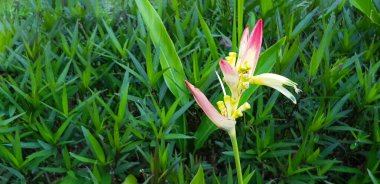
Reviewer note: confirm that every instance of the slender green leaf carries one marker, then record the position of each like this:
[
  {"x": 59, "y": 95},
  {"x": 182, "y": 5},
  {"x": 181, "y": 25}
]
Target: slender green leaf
[
  {"x": 317, "y": 56},
  {"x": 94, "y": 145},
  {"x": 83, "y": 159},
  {"x": 209, "y": 38},
  {"x": 199, "y": 177},
  {"x": 368, "y": 8},
  {"x": 7, "y": 121},
  {"x": 175, "y": 76}
]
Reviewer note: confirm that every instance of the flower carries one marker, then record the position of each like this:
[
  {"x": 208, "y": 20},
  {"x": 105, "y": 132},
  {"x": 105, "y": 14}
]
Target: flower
[{"x": 238, "y": 73}]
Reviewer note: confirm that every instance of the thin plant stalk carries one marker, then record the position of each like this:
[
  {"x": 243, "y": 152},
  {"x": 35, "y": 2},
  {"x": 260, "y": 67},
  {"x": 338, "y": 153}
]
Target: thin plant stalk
[{"x": 232, "y": 134}]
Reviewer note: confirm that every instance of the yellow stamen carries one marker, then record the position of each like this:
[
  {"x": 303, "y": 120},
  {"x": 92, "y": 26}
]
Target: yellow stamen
[
  {"x": 244, "y": 85},
  {"x": 227, "y": 102},
  {"x": 237, "y": 114},
  {"x": 244, "y": 68},
  {"x": 227, "y": 99},
  {"x": 241, "y": 69},
  {"x": 229, "y": 59},
  {"x": 246, "y": 65},
  {"x": 222, "y": 107},
  {"x": 233, "y": 101},
  {"x": 244, "y": 77}
]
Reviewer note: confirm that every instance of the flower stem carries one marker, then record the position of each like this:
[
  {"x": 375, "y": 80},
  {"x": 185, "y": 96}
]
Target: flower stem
[{"x": 232, "y": 134}]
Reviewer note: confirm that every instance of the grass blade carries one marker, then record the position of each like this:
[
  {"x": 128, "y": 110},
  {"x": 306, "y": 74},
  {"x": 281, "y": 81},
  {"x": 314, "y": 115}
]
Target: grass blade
[
  {"x": 199, "y": 177},
  {"x": 368, "y": 8},
  {"x": 210, "y": 40},
  {"x": 317, "y": 56},
  {"x": 96, "y": 148},
  {"x": 169, "y": 58}
]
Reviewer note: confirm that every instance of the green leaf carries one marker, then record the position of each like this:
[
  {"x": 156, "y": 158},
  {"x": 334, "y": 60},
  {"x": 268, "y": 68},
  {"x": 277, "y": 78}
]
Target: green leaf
[
  {"x": 205, "y": 129},
  {"x": 8, "y": 156},
  {"x": 66, "y": 158},
  {"x": 304, "y": 23},
  {"x": 123, "y": 97},
  {"x": 54, "y": 169},
  {"x": 169, "y": 58},
  {"x": 248, "y": 177},
  {"x": 266, "y": 6},
  {"x": 43, "y": 153},
  {"x": 61, "y": 129},
  {"x": 83, "y": 159},
  {"x": 14, "y": 172},
  {"x": 368, "y": 8},
  {"x": 17, "y": 148},
  {"x": 7, "y": 121},
  {"x": 94, "y": 145},
  {"x": 344, "y": 169},
  {"x": 130, "y": 179},
  {"x": 313, "y": 157},
  {"x": 115, "y": 42},
  {"x": 209, "y": 38},
  {"x": 149, "y": 62},
  {"x": 373, "y": 178},
  {"x": 317, "y": 56},
  {"x": 199, "y": 177},
  {"x": 177, "y": 136},
  {"x": 65, "y": 104},
  {"x": 335, "y": 111},
  {"x": 240, "y": 17}
]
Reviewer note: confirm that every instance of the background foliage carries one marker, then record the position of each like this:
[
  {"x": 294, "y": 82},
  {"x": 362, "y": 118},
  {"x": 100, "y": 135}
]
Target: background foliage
[{"x": 92, "y": 91}]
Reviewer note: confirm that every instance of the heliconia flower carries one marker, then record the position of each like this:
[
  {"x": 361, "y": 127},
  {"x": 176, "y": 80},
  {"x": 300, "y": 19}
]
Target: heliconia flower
[
  {"x": 218, "y": 119},
  {"x": 238, "y": 74}
]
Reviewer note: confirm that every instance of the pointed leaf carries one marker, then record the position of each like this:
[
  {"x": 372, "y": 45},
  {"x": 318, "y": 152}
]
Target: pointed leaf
[{"x": 175, "y": 76}]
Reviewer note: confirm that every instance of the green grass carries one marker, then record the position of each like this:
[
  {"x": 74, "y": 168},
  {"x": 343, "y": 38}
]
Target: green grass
[{"x": 92, "y": 91}]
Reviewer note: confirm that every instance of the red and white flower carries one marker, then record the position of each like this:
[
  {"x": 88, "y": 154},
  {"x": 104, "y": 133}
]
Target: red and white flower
[{"x": 238, "y": 75}]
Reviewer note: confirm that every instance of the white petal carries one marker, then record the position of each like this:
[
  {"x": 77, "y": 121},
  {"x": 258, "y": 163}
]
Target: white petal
[
  {"x": 277, "y": 82},
  {"x": 285, "y": 92}
]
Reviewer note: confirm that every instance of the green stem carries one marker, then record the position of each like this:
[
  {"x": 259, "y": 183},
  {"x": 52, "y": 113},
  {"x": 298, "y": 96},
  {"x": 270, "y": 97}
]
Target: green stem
[{"x": 235, "y": 147}]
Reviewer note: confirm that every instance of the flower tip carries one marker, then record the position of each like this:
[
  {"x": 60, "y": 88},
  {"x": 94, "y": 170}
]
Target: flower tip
[
  {"x": 246, "y": 30},
  {"x": 260, "y": 22},
  {"x": 189, "y": 85},
  {"x": 259, "y": 26},
  {"x": 222, "y": 62},
  {"x": 297, "y": 90}
]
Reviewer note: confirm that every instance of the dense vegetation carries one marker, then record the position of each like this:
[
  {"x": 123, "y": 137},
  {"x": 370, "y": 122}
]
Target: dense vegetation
[{"x": 92, "y": 91}]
